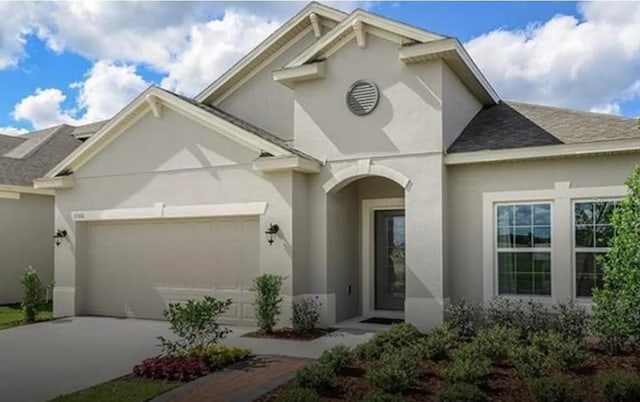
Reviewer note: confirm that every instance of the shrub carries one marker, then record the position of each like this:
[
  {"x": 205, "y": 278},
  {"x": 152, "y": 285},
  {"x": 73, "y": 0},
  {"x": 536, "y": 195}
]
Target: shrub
[
  {"x": 268, "y": 300},
  {"x": 468, "y": 366},
  {"x": 564, "y": 354},
  {"x": 496, "y": 342},
  {"x": 382, "y": 397},
  {"x": 218, "y": 355},
  {"x": 616, "y": 316},
  {"x": 462, "y": 393},
  {"x": 33, "y": 294},
  {"x": 572, "y": 321},
  {"x": 537, "y": 317},
  {"x": 315, "y": 376},
  {"x": 618, "y": 386},
  {"x": 466, "y": 317},
  {"x": 505, "y": 312},
  {"x": 553, "y": 389},
  {"x": 337, "y": 358},
  {"x": 438, "y": 343},
  {"x": 298, "y": 395},
  {"x": 172, "y": 368},
  {"x": 529, "y": 362},
  {"x": 395, "y": 372},
  {"x": 195, "y": 323},
  {"x": 398, "y": 336},
  {"x": 306, "y": 315}
]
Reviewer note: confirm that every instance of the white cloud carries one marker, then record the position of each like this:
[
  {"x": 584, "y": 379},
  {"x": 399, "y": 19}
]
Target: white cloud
[
  {"x": 9, "y": 130},
  {"x": 609, "y": 108},
  {"x": 43, "y": 109},
  {"x": 584, "y": 64}
]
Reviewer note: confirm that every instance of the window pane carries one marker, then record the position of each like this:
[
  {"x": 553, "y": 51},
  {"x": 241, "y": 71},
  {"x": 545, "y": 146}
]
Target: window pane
[
  {"x": 587, "y": 275},
  {"x": 584, "y": 213},
  {"x": 584, "y": 236},
  {"x": 604, "y": 233},
  {"x": 523, "y": 237},
  {"x": 524, "y": 284},
  {"x": 506, "y": 273},
  {"x": 542, "y": 263},
  {"x": 604, "y": 210},
  {"x": 542, "y": 236},
  {"x": 505, "y": 215},
  {"x": 542, "y": 214},
  {"x": 505, "y": 237},
  {"x": 523, "y": 215},
  {"x": 524, "y": 263},
  {"x": 542, "y": 284}
]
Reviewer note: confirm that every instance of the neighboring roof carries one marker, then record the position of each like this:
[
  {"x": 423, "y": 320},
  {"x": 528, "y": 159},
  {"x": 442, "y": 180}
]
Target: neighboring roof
[
  {"x": 517, "y": 125},
  {"x": 86, "y": 131},
  {"x": 8, "y": 142},
  {"x": 35, "y": 154},
  {"x": 267, "y": 48}
]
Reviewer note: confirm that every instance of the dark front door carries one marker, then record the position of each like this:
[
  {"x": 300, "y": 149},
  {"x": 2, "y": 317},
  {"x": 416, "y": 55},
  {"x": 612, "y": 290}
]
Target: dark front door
[{"x": 389, "y": 260}]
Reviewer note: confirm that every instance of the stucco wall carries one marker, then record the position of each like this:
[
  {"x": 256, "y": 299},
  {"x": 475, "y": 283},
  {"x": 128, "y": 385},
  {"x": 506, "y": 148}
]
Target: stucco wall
[
  {"x": 176, "y": 162},
  {"x": 264, "y": 102},
  {"x": 467, "y": 183},
  {"x": 26, "y": 230},
  {"x": 459, "y": 106}
]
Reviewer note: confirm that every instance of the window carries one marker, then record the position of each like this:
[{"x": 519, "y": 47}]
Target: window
[
  {"x": 523, "y": 248},
  {"x": 592, "y": 232}
]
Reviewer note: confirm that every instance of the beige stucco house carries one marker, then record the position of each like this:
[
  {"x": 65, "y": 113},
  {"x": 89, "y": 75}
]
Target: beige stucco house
[{"x": 397, "y": 178}]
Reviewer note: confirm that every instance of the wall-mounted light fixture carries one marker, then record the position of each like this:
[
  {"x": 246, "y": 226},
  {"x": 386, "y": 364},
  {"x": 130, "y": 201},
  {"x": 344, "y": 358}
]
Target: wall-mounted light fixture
[
  {"x": 60, "y": 234},
  {"x": 271, "y": 232}
]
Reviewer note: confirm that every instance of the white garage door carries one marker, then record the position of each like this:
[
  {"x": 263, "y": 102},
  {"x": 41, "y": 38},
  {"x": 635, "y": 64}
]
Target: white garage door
[{"x": 135, "y": 268}]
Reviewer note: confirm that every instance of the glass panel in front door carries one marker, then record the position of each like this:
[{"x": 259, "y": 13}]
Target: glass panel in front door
[{"x": 389, "y": 260}]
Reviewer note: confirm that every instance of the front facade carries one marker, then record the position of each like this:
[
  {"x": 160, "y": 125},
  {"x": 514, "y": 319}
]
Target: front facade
[{"x": 420, "y": 187}]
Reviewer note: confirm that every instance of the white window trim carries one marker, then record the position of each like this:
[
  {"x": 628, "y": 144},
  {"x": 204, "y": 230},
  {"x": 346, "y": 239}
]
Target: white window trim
[
  {"x": 574, "y": 249},
  {"x": 560, "y": 196},
  {"x": 497, "y": 249}
]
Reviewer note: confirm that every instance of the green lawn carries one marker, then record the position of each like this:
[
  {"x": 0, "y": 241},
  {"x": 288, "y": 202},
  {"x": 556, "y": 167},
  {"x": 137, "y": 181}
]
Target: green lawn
[
  {"x": 121, "y": 390},
  {"x": 11, "y": 315}
]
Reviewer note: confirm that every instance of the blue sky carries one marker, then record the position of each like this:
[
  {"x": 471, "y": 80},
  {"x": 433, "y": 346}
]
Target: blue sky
[{"x": 74, "y": 63}]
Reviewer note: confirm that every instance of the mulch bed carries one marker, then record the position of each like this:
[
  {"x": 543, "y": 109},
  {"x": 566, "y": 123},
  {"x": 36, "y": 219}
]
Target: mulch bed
[
  {"x": 502, "y": 384},
  {"x": 290, "y": 334}
]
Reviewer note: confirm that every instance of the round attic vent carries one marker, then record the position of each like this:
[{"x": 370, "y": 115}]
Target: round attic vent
[{"x": 362, "y": 97}]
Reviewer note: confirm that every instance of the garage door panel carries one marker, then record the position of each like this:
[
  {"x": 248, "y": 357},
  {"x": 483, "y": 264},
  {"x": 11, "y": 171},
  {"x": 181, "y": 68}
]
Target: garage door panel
[{"x": 137, "y": 268}]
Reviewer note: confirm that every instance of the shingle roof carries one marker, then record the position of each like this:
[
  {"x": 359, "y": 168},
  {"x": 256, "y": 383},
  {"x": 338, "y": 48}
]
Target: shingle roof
[
  {"x": 30, "y": 156},
  {"x": 518, "y": 125}
]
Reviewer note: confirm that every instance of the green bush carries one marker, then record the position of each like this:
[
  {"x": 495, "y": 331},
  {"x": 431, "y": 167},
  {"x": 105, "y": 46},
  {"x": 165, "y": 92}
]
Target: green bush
[
  {"x": 572, "y": 321},
  {"x": 377, "y": 396},
  {"x": 616, "y": 317},
  {"x": 618, "y": 386},
  {"x": 305, "y": 315},
  {"x": 268, "y": 300},
  {"x": 468, "y": 366},
  {"x": 496, "y": 342},
  {"x": 315, "y": 376},
  {"x": 466, "y": 317},
  {"x": 553, "y": 389},
  {"x": 33, "y": 294},
  {"x": 528, "y": 361},
  {"x": 218, "y": 355},
  {"x": 561, "y": 353},
  {"x": 505, "y": 313},
  {"x": 438, "y": 343},
  {"x": 395, "y": 372},
  {"x": 398, "y": 336},
  {"x": 195, "y": 323},
  {"x": 337, "y": 358},
  {"x": 462, "y": 393},
  {"x": 298, "y": 395}
]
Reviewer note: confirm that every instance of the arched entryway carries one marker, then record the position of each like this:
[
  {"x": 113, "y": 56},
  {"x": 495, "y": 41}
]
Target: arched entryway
[{"x": 366, "y": 245}]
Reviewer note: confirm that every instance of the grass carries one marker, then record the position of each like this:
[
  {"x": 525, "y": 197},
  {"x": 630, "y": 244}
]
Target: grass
[
  {"x": 11, "y": 315},
  {"x": 121, "y": 390}
]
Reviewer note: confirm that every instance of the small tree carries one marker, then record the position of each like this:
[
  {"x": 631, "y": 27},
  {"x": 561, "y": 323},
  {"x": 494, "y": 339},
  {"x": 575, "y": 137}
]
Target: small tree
[
  {"x": 33, "y": 294},
  {"x": 616, "y": 316},
  {"x": 268, "y": 300}
]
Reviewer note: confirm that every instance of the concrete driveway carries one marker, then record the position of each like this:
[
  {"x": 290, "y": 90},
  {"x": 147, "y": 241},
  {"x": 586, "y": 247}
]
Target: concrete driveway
[{"x": 41, "y": 361}]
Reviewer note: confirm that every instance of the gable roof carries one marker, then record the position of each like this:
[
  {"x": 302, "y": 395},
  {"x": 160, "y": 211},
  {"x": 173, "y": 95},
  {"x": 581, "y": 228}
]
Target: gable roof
[
  {"x": 274, "y": 43},
  {"x": 153, "y": 99},
  {"x": 517, "y": 125}
]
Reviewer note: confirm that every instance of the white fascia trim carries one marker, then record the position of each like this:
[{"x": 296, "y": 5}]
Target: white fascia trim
[
  {"x": 289, "y": 76},
  {"x": 267, "y": 44},
  {"x": 9, "y": 188},
  {"x": 295, "y": 163},
  {"x": 365, "y": 18},
  {"x": 544, "y": 152},
  {"x": 434, "y": 49},
  {"x": 160, "y": 211},
  {"x": 8, "y": 195},
  {"x": 54, "y": 182}
]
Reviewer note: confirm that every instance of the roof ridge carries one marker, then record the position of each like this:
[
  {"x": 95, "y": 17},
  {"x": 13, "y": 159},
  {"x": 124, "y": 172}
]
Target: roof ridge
[
  {"x": 568, "y": 110},
  {"x": 31, "y": 145}
]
